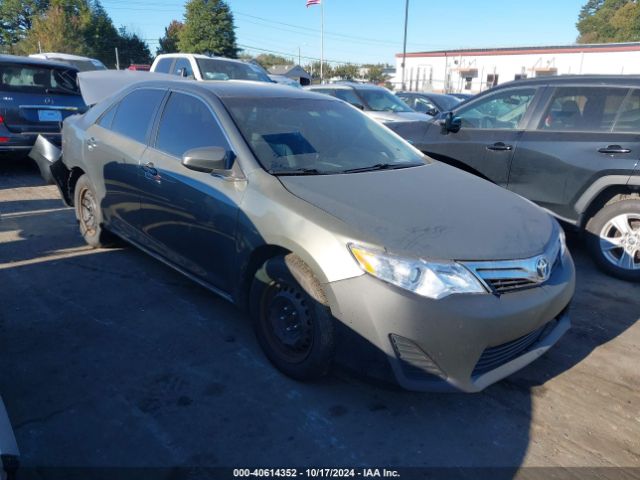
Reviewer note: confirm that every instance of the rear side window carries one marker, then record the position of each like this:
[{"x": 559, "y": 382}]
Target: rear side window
[
  {"x": 37, "y": 79},
  {"x": 164, "y": 65},
  {"x": 583, "y": 109},
  {"x": 629, "y": 117},
  {"x": 135, "y": 113},
  {"x": 502, "y": 111},
  {"x": 188, "y": 123}
]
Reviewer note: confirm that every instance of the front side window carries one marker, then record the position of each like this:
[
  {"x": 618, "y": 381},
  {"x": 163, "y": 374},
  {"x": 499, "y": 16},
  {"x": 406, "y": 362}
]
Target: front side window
[
  {"x": 37, "y": 79},
  {"x": 629, "y": 117},
  {"x": 423, "y": 105},
  {"x": 188, "y": 123},
  {"x": 135, "y": 114},
  {"x": 316, "y": 136},
  {"x": 586, "y": 109},
  {"x": 502, "y": 111}
]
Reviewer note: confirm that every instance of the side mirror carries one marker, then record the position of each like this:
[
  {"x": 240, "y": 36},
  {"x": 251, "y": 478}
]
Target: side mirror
[
  {"x": 450, "y": 123},
  {"x": 432, "y": 112},
  {"x": 208, "y": 160}
]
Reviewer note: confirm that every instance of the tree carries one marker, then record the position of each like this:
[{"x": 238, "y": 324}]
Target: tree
[
  {"x": 16, "y": 19},
  {"x": 169, "y": 43},
  {"x": 208, "y": 28},
  {"x": 59, "y": 29},
  {"x": 375, "y": 74},
  {"x": 132, "y": 49},
  {"x": 605, "y": 21},
  {"x": 347, "y": 71},
  {"x": 268, "y": 60},
  {"x": 314, "y": 70},
  {"x": 101, "y": 36}
]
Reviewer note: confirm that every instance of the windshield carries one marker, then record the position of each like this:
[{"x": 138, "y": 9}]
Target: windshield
[
  {"x": 316, "y": 136},
  {"x": 383, "y": 101},
  {"x": 37, "y": 79},
  {"x": 215, "y": 69}
]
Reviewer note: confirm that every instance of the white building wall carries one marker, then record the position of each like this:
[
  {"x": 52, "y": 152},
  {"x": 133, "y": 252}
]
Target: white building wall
[{"x": 442, "y": 72}]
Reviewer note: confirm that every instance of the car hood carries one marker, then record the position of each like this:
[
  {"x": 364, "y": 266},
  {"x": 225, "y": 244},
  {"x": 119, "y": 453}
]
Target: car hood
[
  {"x": 433, "y": 211},
  {"x": 397, "y": 116}
]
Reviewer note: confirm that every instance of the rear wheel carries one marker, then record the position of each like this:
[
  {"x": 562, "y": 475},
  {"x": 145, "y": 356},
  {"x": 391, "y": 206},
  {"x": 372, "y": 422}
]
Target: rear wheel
[
  {"x": 292, "y": 322},
  {"x": 89, "y": 214},
  {"x": 614, "y": 239}
]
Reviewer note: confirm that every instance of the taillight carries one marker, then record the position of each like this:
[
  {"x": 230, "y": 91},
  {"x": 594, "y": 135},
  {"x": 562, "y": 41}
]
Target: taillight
[{"x": 1, "y": 119}]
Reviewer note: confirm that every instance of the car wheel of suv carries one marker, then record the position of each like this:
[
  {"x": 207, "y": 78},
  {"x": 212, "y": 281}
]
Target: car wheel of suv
[
  {"x": 89, "y": 214},
  {"x": 614, "y": 239},
  {"x": 292, "y": 322}
]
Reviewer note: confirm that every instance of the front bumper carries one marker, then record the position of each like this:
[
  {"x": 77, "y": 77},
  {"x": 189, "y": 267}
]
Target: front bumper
[{"x": 461, "y": 342}]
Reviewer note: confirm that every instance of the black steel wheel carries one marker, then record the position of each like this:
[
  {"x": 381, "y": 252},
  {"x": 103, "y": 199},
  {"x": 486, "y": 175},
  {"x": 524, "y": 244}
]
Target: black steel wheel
[{"x": 89, "y": 214}]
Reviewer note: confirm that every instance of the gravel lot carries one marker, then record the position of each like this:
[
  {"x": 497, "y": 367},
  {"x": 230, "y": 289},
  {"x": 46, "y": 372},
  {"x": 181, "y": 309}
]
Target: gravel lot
[{"x": 110, "y": 358}]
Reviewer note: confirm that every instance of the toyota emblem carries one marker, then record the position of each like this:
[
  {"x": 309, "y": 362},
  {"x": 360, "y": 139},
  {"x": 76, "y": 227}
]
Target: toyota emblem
[{"x": 543, "y": 268}]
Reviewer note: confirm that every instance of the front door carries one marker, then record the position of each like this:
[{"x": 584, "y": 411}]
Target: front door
[
  {"x": 189, "y": 217},
  {"x": 491, "y": 127}
]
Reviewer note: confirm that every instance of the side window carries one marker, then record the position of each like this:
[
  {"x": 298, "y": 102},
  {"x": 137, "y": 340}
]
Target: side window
[
  {"x": 164, "y": 65},
  {"x": 107, "y": 118},
  {"x": 183, "y": 65},
  {"x": 586, "y": 109},
  {"x": 348, "y": 96},
  {"x": 629, "y": 117},
  {"x": 423, "y": 105},
  {"x": 503, "y": 110},
  {"x": 188, "y": 123},
  {"x": 134, "y": 114}
]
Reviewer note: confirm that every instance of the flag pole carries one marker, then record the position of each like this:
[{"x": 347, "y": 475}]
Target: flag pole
[{"x": 322, "y": 41}]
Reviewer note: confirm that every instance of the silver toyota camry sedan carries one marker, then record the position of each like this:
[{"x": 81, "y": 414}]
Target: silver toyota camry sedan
[{"x": 343, "y": 241}]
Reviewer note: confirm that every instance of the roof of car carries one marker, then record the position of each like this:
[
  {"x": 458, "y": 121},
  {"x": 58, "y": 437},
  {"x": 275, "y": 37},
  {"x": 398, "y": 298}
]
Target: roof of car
[
  {"x": 572, "y": 79},
  {"x": 33, "y": 61}
]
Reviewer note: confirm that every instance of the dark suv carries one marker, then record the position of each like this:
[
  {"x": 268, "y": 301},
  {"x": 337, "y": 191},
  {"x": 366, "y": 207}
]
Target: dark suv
[
  {"x": 571, "y": 144},
  {"x": 35, "y": 96}
]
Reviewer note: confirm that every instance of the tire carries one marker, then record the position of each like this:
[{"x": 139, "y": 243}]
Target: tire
[
  {"x": 89, "y": 214},
  {"x": 613, "y": 237},
  {"x": 292, "y": 323}
]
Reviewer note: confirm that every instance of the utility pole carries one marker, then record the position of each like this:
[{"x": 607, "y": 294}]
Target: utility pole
[
  {"x": 117, "y": 60},
  {"x": 322, "y": 42},
  {"x": 404, "y": 48},
  {"x": 299, "y": 56}
]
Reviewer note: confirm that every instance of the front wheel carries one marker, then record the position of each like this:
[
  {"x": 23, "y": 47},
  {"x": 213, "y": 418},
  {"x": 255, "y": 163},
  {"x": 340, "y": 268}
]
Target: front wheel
[
  {"x": 614, "y": 239},
  {"x": 89, "y": 214},
  {"x": 292, "y": 322}
]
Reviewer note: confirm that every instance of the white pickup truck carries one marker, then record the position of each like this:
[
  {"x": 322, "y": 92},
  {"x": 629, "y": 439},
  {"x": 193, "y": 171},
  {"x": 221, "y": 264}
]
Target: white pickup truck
[{"x": 202, "y": 67}]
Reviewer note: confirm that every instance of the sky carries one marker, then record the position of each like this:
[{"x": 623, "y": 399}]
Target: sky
[{"x": 369, "y": 31}]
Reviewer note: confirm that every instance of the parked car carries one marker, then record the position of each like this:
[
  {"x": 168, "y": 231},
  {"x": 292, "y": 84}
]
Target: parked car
[
  {"x": 376, "y": 102},
  {"x": 285, "y": 81},
  {"x": 35, "y": 96},
  {"x": 203, "y": 67},
  {"x": 571, "y": 144},
  {"x": 430, "y": 103},
  {"x": 139, "y": 67},
  {"x": 462, "y": 96},
  {"x": 83, "y": 64},
  {"x": 338, "y": 236}
]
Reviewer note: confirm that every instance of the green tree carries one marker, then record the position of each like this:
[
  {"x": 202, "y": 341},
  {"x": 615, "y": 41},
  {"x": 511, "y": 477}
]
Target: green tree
[
  {"x": 375, "y": 73},
  {"x": 268, "y": 60},
  {"x": 169, "y": 43},
  {"x": 346, "y": 71},
  {"x": 132, "y": 49},
  {"x": 101, "y": 36},
  {"x": 605, "y": 21},
  {"x": 314, "y": 70},
  {"x": 208, "y": 28},
  {"x": 16, "y": 19}
]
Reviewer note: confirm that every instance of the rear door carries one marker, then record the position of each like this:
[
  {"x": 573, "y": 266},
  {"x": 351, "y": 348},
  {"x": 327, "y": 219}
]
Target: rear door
[
  {"x": 189, "y": 217},
  {"x": 114, "y": 145},
  {"x": 579, "y": 134},
  {"x": 36, "y": 98},
  {"x": 491, "y": 127}
]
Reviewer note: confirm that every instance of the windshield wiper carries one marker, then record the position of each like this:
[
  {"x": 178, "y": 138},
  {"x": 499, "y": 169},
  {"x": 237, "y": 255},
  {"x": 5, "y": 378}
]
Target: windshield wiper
[
  {"x": 297, "y": 171},
  {"x": 381, "y": 166}
]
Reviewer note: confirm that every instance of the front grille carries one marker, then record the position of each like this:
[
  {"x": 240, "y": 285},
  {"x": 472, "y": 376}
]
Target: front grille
[
  {"x": 494, "y": 357},
  {"x": 504, "y": 276},
  {"x": 415, "y": 362}
]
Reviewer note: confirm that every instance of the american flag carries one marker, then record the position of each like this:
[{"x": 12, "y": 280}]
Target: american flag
[{"x": 313, "y": 2}]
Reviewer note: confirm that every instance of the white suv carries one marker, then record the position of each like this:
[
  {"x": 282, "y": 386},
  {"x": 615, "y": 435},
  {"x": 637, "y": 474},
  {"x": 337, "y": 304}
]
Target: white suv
[{"x": 202, "y": 67}]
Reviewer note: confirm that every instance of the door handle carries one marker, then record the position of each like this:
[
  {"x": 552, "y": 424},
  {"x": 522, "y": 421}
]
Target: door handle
[
  {"x": 611, "y": 149},
  {"x": 92, "y": 143},
  {"x": 150, "y": 169},
  {"x": 500, "y": 147}
]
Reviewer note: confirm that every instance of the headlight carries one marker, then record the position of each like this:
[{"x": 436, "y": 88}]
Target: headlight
[{"x": 429, "y": 279}]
